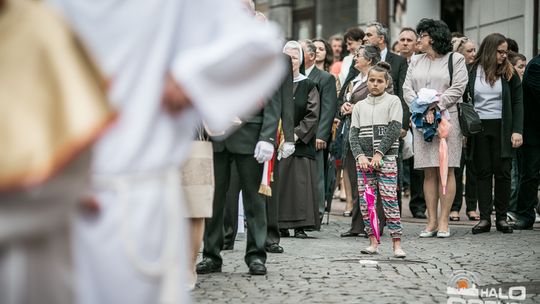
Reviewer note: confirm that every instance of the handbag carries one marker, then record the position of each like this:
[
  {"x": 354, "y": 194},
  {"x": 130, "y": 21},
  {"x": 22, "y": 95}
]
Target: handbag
[
  {"x": 197, "y": 176},
  {"x": 469, "y": 121}
]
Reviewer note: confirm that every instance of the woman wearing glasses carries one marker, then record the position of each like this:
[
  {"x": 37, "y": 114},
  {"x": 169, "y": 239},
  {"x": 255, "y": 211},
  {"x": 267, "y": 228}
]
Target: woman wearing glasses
[
  {"x": 496, "y": 93},
  {"x": 430, "y": 71}
]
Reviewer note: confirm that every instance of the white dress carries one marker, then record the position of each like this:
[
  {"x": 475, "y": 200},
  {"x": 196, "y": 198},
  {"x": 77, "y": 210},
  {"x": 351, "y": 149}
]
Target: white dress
[{"x": 134, "y": 250}]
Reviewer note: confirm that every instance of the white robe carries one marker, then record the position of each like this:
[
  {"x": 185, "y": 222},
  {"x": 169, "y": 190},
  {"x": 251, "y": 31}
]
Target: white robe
[{"x": 225, "y": 61}]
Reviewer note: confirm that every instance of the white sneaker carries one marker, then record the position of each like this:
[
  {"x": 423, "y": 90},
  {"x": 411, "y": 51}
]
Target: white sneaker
[{"x": 537, "y": 220}]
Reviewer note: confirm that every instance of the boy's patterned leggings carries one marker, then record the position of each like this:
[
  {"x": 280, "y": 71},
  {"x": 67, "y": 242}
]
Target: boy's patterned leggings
[{"x": 383, "y": 181}]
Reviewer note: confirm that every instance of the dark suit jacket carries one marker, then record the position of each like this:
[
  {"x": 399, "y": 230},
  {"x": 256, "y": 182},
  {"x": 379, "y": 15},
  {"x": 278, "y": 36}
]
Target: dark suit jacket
[
  {"x": 326, "y": 84},
  {"x": 531, "y": 103},
  {"x": 341, "y": 98},
  {"x": 398, "y": 65}
]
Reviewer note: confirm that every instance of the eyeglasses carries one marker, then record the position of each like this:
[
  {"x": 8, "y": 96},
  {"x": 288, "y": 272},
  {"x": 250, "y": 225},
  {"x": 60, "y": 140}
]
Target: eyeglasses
[
  {"x": 502, "y": 52},
  {"x": 423, "y": 35}
]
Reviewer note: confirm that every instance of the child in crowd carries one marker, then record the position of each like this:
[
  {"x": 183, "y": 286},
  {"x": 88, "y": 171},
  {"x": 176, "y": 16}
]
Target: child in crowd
[{"x": 374, "y": 139}]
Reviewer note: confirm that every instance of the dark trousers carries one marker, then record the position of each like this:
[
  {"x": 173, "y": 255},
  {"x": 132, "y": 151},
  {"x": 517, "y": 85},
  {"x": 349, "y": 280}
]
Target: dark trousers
[
  {"x": 249, "y": 173},
  {"x": 230, "y": 216},
  {"x": 530, "y": 180},
  {"x": 471, "y": 193},
  {"x": 471, "y": 180},
  {"x": 272, "y": 210},
  {"x": 357, "y": 221},
  {"x": 417, "y": 202},
  {"x": 489, "y": 164}
]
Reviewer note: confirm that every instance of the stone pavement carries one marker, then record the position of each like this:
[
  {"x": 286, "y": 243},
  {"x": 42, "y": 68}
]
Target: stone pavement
[{"x": 325, "y": 268}]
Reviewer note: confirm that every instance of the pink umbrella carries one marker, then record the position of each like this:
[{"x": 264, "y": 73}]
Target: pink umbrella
[
  {"x": 369, "y": 197},
  {"x": 444, "y": 130}
]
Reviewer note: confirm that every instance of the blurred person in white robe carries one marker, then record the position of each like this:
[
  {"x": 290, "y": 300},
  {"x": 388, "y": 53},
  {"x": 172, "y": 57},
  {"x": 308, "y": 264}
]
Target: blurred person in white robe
[{"x": 170, "y": 63}]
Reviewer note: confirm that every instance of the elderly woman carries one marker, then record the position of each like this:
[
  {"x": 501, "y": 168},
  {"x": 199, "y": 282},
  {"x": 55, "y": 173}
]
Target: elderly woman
[
  {"x": 430, "y": 71},
  {"x": 497, "y": 96},
  {"x": 298, "y": 208},
  {"x": 365, "y": 57}
]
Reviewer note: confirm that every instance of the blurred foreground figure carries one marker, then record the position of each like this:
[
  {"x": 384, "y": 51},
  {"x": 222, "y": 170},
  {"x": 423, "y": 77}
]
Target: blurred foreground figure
[
  {"x": 54, "y": 107},
  {"x": 164, "y": 76},
  {"x": 168, "y": 68}
]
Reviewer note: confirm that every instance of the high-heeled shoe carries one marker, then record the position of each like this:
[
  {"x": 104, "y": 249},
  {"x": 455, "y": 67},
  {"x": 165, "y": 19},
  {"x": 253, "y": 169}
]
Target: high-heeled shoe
[
  {"x": 482, "y": 227},
  {"x": 503, "y": 226}
]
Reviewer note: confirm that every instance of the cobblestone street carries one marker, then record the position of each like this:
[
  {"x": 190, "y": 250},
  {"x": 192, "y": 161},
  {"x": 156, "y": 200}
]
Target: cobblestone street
[{"x": 325, "y": 268}]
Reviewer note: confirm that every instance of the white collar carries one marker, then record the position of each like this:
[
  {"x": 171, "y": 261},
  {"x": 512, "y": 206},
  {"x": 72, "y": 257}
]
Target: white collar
[
  {"x": 300, "y": 77},
  {"x": 308, "y": 71},
  {"x": 383, "y": 54}
]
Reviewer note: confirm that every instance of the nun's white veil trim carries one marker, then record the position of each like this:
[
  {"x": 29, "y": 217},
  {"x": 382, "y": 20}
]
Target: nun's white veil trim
[{"x": 295, "y": 45}]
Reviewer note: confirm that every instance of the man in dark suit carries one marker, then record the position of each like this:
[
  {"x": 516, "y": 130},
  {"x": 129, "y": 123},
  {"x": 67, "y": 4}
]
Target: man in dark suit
[
  {"x": 284, "y": 96},
  {"x": 326, "y": 85},
  {"x": 528, "y": 188},
  {"x": 249, "y": 146}
]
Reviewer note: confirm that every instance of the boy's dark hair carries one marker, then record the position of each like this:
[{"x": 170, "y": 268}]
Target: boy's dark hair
[
  {"x": 514, "y": 57},
  {"x": 512, "y": 45},
  {"x": 353, "y": 33}
]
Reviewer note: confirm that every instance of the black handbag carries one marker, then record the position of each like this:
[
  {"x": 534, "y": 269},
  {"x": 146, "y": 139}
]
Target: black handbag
[{"x": 469, "y": 121}]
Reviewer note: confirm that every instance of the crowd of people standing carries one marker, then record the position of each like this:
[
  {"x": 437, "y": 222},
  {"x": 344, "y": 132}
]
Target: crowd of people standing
[
  {"x": 302, "y": 122},
  {"x": 361, "y": 108}
]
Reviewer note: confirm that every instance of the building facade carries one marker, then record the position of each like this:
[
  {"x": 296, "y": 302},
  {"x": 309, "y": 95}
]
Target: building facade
[{"x": 302, "y": 19}]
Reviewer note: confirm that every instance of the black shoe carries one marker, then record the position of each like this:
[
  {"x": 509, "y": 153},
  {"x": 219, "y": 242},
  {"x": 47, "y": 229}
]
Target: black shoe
[
  {"x": 503, "y": 226},
  {"x": 228, "y": 246},
  {"x": 208, "y": 266},
  {"x": 284, "y": 233},
  {"x": 520, "y": 225},
  {"x": 481, "y": 227},
  {"x": 299, "y": 233},
  {"x": 274, "y": 248},
  {"x": 420, "y": 215},
  {"x": 350, "y": 234},
  {"x": 257, "y": 268}
]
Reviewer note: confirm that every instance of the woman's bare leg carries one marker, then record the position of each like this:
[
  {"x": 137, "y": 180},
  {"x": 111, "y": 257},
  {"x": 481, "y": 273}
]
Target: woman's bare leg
[
  {"x": 446, "y": 200},
  {"x": 431, "y": 195}
]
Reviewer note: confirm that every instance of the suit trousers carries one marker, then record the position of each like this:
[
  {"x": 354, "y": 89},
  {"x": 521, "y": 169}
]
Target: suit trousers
[
  {"x": 230, "y": 216},
  {"x": 530, "y": 180},
  {"x": 249, "y": 173},
  {"x": 489, "y": 164},
  {"x": 322, "y": 168},
  {"x": 272, "y": 210},
  {"x": 417, "y": 202},
  {"x": 471, "y": 181}
]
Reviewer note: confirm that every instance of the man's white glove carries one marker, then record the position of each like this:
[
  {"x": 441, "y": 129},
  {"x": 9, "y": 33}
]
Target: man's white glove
[
  {"x": 287, "y": 149},
  {"x": 263, "y": 151}
]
